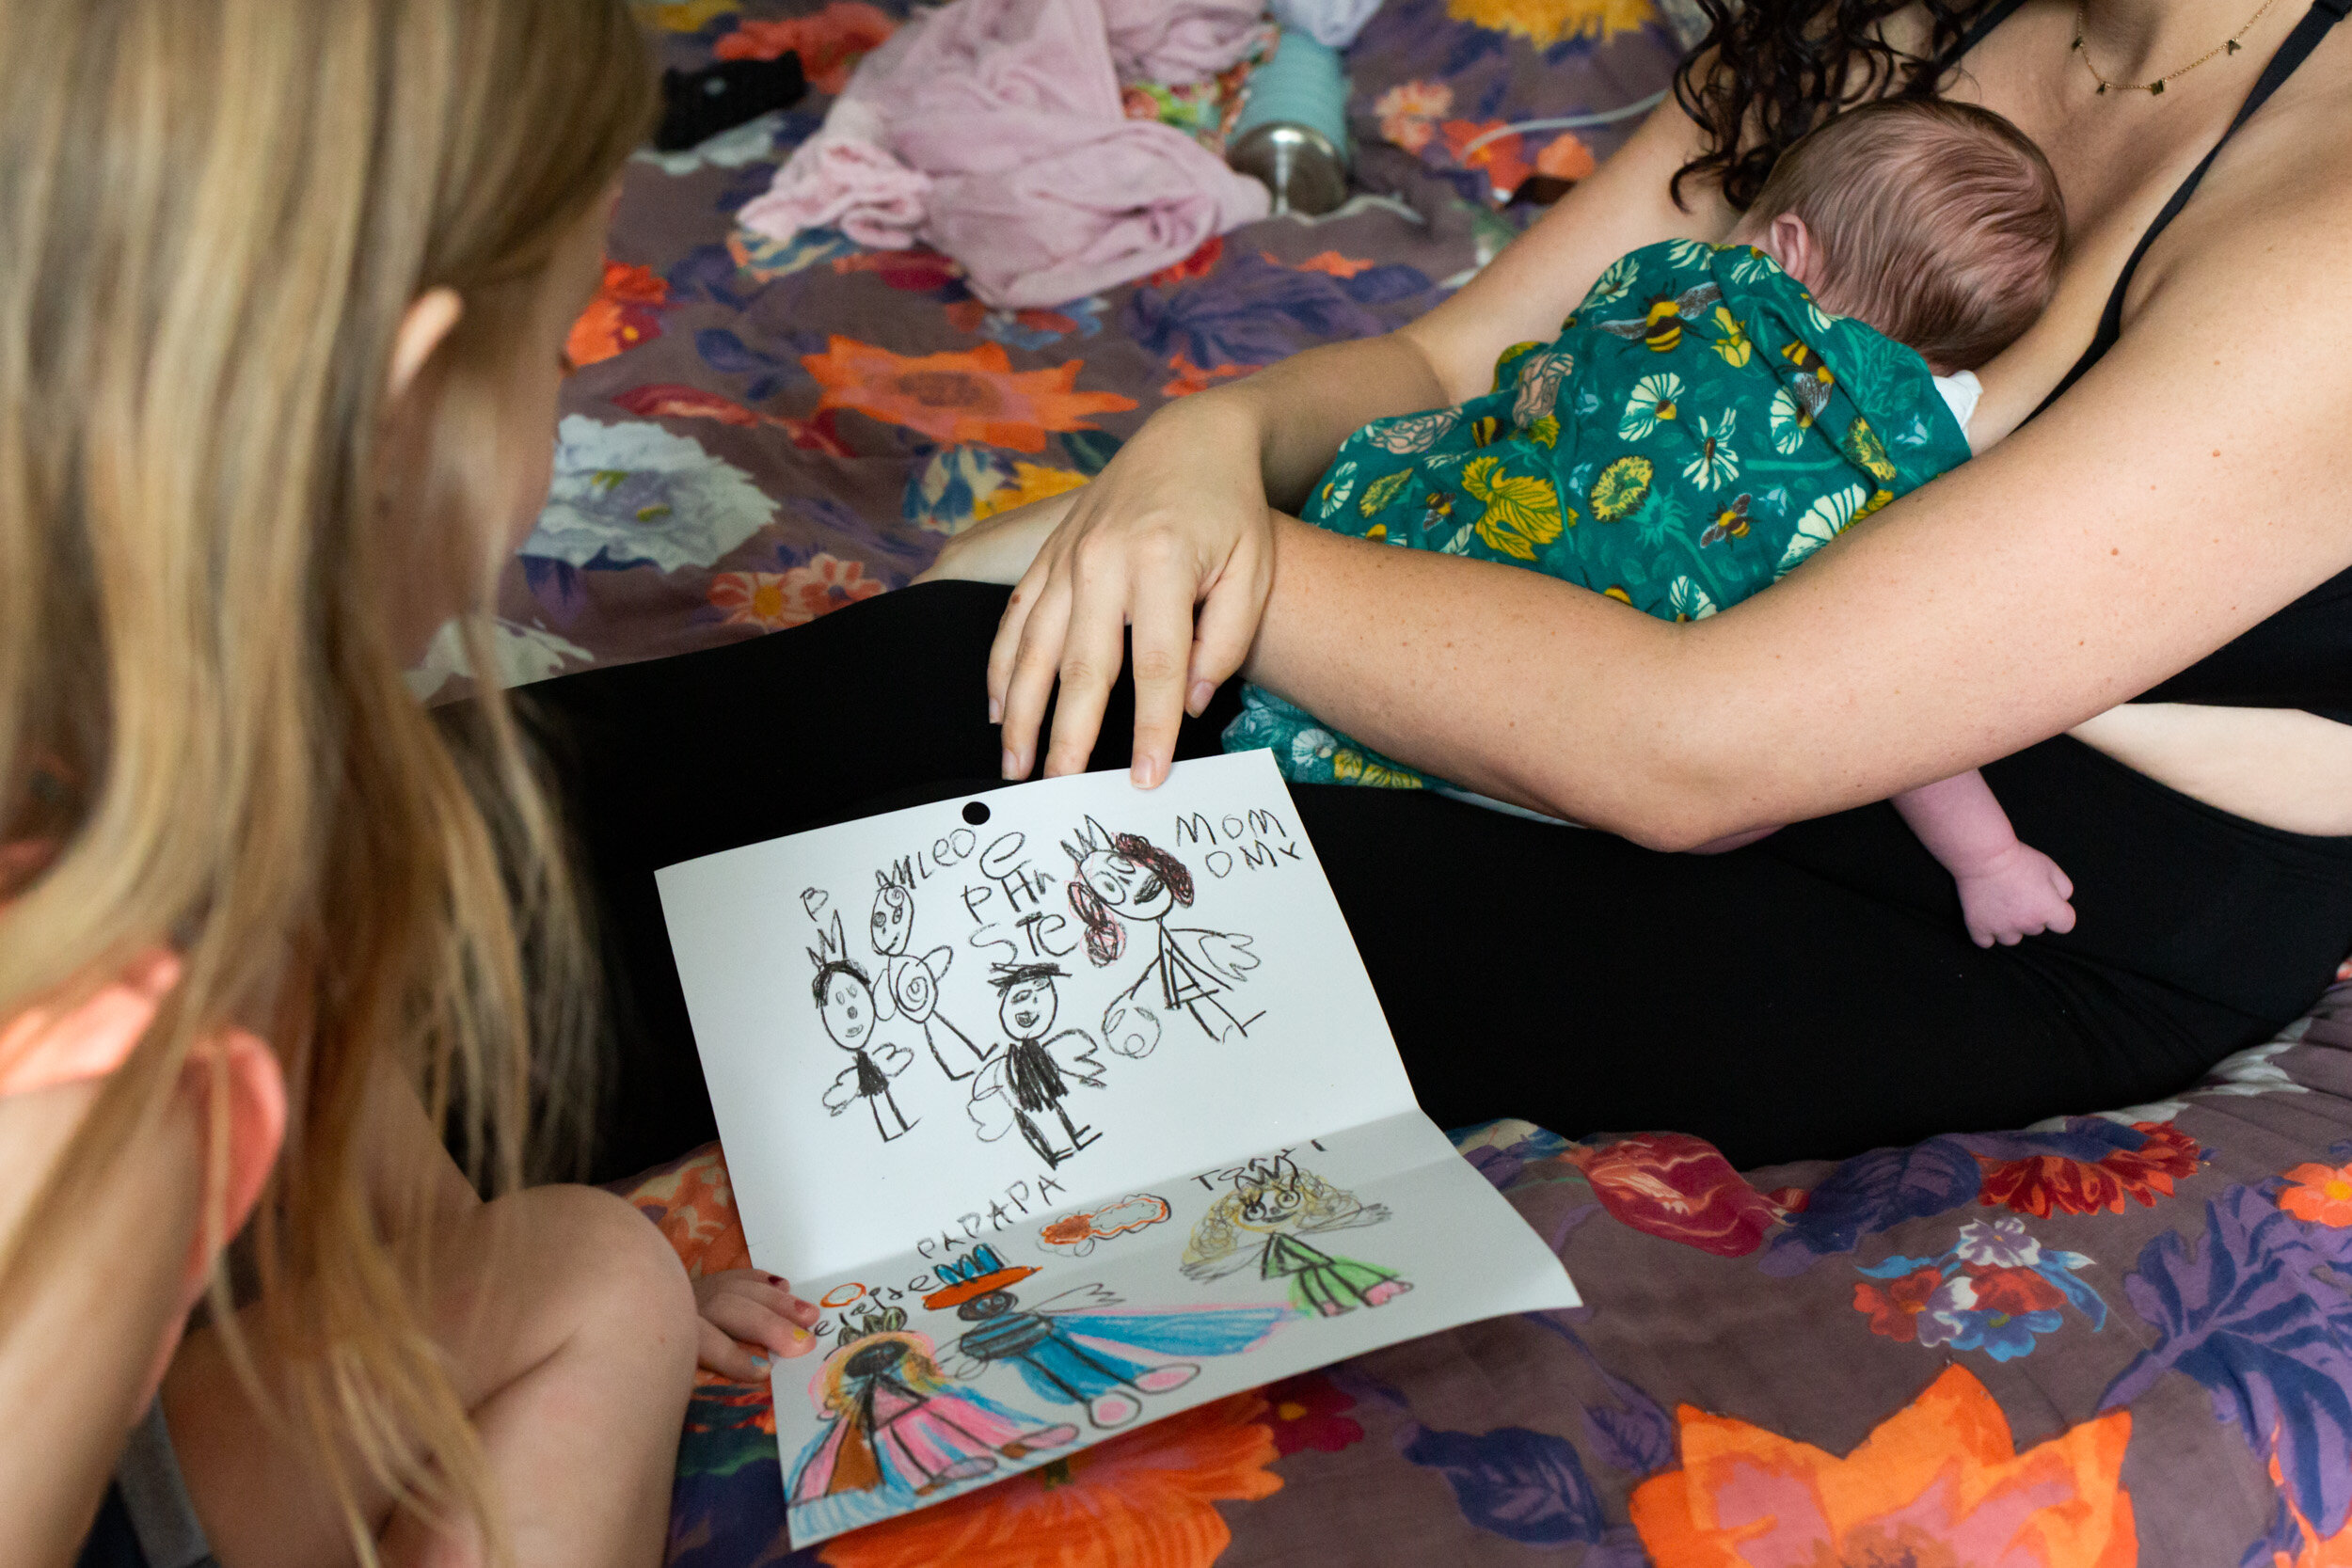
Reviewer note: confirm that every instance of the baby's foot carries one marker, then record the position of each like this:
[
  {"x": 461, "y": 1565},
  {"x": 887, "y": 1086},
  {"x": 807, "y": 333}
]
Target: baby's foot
[{"x": 2021, "y": 893}]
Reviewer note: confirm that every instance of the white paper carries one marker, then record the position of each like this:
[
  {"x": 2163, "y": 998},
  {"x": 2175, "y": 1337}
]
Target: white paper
[{"x": 1121, "y": 1041}]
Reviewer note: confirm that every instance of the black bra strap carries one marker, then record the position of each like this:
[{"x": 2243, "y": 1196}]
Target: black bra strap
[
  {"x": 2000, "y": 11},
  {"x": 2297, "y": 48}
]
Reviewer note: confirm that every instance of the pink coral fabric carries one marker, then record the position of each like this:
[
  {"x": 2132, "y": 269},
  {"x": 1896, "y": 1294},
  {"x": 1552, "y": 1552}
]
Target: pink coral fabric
[
  {"x": 841, "y": 177},
  {"x": 1039, "y": 183}
]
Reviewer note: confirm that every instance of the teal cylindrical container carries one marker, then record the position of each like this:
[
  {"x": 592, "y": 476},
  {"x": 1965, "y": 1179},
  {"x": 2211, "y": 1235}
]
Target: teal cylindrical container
[{"x": 1293, "y": 130}]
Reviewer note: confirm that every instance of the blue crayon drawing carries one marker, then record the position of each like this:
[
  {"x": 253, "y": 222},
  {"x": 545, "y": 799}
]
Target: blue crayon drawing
[{"x": 1074, "y": 1348}]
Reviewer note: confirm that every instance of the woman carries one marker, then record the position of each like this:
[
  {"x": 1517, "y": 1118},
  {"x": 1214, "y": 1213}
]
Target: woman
[
  {"x": 284, "y": 286},
  {"x": 1812, "y": 994}
]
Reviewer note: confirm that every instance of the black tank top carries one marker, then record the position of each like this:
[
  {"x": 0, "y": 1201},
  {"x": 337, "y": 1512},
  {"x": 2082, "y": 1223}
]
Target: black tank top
[{"x": 2301, "y": 656}]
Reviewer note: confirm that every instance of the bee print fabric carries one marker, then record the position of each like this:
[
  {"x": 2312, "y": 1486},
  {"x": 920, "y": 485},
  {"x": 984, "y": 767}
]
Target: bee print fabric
[{"x": 1698, "y": 428}]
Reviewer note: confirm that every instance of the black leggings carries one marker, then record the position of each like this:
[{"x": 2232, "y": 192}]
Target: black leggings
[{"x": 1813, "y": 995}]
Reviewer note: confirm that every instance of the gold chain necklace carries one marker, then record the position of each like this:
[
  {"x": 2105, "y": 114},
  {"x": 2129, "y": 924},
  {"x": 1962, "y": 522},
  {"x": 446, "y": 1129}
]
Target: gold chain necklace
[{"x": 2227, "y": 46}]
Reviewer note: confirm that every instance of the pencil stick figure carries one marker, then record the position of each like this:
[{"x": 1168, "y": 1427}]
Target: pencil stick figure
[
  {"x": 1124, "y": 877},
  {"x": 910, "y": 983},
  {"x": 1032, "y": 1075},
  {"x": 845, "y": 1004}
]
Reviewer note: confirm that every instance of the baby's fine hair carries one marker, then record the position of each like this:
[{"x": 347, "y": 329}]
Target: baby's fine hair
[{"x": 1940, "y": 224}]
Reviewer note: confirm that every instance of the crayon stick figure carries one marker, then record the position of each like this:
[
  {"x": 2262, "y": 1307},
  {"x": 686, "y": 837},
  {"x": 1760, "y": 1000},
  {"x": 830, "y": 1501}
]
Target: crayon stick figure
[
  {"x": 1068, "y": 1349},
  {"x": 910, "y": 984},
  {"x": 845, "y": 1004},
  {"x": 1033, "y": 1074},
  {"x": 893, "y": 1422},
  {"x": 1260, "y": 1221},
  {"x": 1124, "y": 877}
]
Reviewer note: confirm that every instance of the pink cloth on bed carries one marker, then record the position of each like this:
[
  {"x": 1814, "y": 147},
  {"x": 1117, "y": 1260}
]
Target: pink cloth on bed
[{"x": 1038, "y": 182}]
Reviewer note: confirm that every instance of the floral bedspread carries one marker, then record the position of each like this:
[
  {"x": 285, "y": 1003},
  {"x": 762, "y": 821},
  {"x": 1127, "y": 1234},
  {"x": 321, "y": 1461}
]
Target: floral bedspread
[
  {"x": 2117, "y": 1339},
  {"x": 2104, "y": 1341},
  {"x": 760, "y": 433}
]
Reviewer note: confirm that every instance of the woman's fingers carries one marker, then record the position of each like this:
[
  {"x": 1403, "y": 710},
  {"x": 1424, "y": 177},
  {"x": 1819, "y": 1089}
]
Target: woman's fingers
[
  {"x": 1229, "y": 620},
  {"x": 1093, "y": 648},
  {"x": 1162, "y": 652},
  {"x": 1036, "y": 662}
]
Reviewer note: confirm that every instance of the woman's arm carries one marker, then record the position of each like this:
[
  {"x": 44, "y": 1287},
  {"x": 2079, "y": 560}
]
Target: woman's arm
[
  {"x": 2290, "y": 769},
  {"x": 2183, "y": 490},
  {"x": 1179, "y": 518}
]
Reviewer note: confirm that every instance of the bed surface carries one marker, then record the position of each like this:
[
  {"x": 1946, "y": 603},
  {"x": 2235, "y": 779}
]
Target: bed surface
[{"x": 2119, "y": 1339}]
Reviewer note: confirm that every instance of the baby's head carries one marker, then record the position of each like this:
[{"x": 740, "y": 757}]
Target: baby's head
[{"x": 1940, "y": 224}]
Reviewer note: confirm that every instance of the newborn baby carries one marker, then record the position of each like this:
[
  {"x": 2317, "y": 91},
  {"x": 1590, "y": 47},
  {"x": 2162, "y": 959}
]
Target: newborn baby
[{"x": 1711, "y": 415}]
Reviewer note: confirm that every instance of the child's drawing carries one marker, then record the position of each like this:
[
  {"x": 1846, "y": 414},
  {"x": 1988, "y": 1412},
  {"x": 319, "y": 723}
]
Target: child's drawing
[
  {"x": 845, "y": 1004},
  {"x": 1068, "y": 1348},
  {"x": 1124, "y": 877},
  {"x": 910, "y": 984},
  {"x": 1272, "y": 1204},
  {"x": 893, "y": 1422},
  {"x": 1078, "y": 1232},
  {"x": 1033, "y": 1074}
]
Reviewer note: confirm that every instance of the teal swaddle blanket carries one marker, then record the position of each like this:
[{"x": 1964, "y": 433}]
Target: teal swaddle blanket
[{"x": 1698, "y": 428}]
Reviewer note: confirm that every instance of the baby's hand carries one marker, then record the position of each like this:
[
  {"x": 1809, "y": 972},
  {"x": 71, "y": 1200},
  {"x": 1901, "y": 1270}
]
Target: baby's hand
[
  {"x": 2022, "y": 892},
  {"x": 749, "y": 1317}
]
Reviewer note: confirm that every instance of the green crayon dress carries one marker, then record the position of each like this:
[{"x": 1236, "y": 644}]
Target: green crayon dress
[{"x": 1698, "y": 428}]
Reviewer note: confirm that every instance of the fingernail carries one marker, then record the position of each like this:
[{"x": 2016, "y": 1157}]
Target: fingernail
[
  {"x": 773, "y": 1279},
  {"x": 1197, "y": 700},
  {"x": 800, "y": 1336},
  {"x": 761, "y": 1363},
  {"x": 1145, "y": 773},
  {"x": 995, "y": 711},
  {"x": 1011, "y": 764}
]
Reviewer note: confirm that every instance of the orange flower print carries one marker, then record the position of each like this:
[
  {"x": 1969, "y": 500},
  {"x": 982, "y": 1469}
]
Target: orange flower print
[
  {"x": 773, "y": 600},
  {"x": 1031, "y": 481},
  {"x": 1191, "y": 378},
  {"x": 627, "y": 312},
  {"x": 1938, "y": 1483},
  {"x": 1545, "y": 23},
  {"x": 2317, "y": 1551},
  {"x": 2047, "y": 1184},
  {"x": 1500, "y": 158},
  {"x": 956, "y": 397},
  {"x": 830, "y": 43},
  {"x": 1408, "y": 113},
  {"x": 1331, "y": 263},
  {"x": 1565, "y": 157},
  {"x": 1145, "y": 1499},
  {"x": 694, "y": 1202},
  {"x": 2321, "y": 1194}
]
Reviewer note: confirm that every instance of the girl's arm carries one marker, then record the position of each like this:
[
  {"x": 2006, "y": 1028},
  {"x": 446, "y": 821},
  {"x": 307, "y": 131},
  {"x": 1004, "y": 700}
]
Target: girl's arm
[
  {"x": 78, "y": 1348},
  {"x": 1179, "y": 518},
  {"x": 2290, "y": 769},
  {"x": 2183, "y": 491}
]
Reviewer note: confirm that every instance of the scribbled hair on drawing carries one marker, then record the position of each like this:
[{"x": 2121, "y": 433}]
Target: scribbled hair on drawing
[
  {"x": 832, "y": 957},
  {"x": 1005, "y": 976},
  {"x": 835, "y": 1393},
  {"x": 1106, "y": 937},
  {"x": 1231, "y": 1233}
]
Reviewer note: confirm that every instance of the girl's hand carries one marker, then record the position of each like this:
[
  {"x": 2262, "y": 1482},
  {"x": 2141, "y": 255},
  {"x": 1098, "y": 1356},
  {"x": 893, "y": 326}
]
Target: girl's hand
[
  {"x": 748, "y": 1318},
  {"x": 1178, "y": 518},
  {"x": 999, "y": 548}
]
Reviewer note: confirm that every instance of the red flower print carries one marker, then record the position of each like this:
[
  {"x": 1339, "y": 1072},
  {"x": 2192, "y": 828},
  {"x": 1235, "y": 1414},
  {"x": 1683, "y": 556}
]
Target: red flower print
[
  {"x": 1202, "y": 262},
  {"x": 2015, "y": 1291},
  {"x": 627, "y": 312},
  {"x": 1678, "y": 1187},
  {"x": 1502, "y": 158},
  {"x": 1895, "y": 1307},
  {"x": 1191, "y": 378},
  {"x": 1308, "y": 1412},
  {"x": 2045, "y": 1185},
  {"x": 775, "y": 600},
  {"x": 830, "y": 43},
  {"x": 917, "y": 269}
]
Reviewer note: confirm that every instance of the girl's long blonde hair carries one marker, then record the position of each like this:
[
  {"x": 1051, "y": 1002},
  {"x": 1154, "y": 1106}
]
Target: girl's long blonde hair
[{"x": 212, "y": 215}]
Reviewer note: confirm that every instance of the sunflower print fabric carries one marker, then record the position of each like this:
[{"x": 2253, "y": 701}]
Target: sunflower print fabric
[{"x": 1698, "y": 428}]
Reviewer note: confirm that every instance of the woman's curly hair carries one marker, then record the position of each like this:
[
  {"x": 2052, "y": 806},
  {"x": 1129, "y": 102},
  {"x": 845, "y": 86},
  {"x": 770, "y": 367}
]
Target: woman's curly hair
[{"x": 1769, "y": 71}]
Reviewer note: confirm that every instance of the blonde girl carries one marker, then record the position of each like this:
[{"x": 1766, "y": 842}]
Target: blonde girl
[{"x": 283, "y": 290}]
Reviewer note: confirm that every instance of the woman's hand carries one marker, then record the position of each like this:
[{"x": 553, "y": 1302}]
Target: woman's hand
[
  {"x": 1178, "y": 518},
  {"x": 747, "y": 1319},
  {"x": 999, "y": 548}
]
